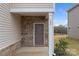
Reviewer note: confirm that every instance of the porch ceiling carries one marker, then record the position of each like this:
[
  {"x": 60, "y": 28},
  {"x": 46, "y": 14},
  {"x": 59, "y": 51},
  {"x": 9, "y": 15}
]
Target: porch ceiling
[{"x": 31, "y": 13}]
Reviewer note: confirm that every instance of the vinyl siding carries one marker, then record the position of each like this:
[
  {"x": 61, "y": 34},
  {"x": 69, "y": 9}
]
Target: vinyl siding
[
  {"x": 73, "y": 23},
  {"x": 24, "y": 5},
  {"x": 32, "y": 7},
  {"x": 9, "y": 26}
]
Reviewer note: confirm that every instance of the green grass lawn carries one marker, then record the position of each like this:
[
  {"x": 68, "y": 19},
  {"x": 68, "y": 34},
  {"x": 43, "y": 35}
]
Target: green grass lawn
[{"x": 73, "y": 46}]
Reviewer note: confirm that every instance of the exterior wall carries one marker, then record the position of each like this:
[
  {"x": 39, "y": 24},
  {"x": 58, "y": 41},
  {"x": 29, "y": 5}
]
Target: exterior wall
[
  {"x": 9, "y": 27},
  {"x": 27, "y": 28},
  {"x": 73, "y": 23}
]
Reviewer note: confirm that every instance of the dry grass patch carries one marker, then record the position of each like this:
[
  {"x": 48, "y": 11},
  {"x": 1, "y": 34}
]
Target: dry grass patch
[{"x": 73, "y": 46}]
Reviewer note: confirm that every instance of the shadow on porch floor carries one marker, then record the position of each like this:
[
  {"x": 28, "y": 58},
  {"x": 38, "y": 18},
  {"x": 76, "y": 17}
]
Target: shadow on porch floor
[{"x": 32, "y": 51}]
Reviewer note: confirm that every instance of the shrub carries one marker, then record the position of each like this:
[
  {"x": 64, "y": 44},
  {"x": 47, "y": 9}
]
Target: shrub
[{"x": 60, "y": 47}]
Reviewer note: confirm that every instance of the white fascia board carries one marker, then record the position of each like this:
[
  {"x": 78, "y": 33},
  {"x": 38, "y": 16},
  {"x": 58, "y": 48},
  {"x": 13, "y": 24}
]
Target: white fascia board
[
  {"x": 29, "y": 7},
  {"x": 26, "y": 5},
  {"x": 16, "y": 10}
]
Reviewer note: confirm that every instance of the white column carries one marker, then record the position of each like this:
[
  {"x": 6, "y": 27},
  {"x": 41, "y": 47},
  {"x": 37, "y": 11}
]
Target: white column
[{"x": 51, "y": 34}]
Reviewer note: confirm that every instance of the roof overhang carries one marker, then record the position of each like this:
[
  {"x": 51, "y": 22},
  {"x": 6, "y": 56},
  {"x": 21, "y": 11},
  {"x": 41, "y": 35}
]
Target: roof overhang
[{"x": 32, "y": 7}]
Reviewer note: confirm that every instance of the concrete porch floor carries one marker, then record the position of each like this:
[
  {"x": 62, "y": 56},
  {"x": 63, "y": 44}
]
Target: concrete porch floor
[{"x": 32, "y": 51}]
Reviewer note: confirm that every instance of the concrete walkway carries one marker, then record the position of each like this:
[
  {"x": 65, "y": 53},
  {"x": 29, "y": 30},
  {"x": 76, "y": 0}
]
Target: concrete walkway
[{"x": 32, "y": 51}]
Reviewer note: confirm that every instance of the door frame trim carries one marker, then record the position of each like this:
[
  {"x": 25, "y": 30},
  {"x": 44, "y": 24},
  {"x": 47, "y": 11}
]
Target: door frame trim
[{"x": 34, "y": 33}]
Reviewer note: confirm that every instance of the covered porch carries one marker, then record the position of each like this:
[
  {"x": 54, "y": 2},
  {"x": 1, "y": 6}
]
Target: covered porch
[{"x": 35, "y": 41}]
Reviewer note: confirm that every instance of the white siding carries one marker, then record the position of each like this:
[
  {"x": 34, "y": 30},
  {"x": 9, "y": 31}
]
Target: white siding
[
  {"x": 9, "y": 27},
  {"x": 73, "y": 23},
  {"x": 32, "y": 7}
]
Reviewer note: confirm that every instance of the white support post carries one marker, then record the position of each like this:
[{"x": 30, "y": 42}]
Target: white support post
[{"x": 51, "y": 34}]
